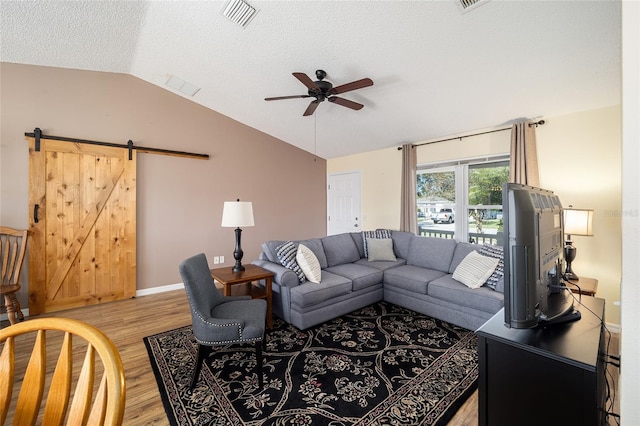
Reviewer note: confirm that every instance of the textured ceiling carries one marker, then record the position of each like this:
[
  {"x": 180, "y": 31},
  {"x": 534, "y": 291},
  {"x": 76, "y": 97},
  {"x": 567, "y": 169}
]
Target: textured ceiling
[{"x": 437, "y": 72}]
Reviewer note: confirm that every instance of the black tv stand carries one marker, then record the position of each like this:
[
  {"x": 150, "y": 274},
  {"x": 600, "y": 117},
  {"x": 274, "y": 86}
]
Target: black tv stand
[{"x": 544, "y": 375}]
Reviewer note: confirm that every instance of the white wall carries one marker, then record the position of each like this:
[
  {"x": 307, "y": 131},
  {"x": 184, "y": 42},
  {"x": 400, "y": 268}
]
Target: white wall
[{"x": 630, "y": 348}]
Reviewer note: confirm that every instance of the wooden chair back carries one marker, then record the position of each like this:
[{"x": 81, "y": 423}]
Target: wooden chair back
[
  {"x": 84, "y": 405},
  {"x": 13, "y": 247}
]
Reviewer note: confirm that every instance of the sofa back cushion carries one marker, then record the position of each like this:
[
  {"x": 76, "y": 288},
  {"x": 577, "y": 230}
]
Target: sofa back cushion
[
  {"x": 357, "y": 238},
  {"x": 461, "y": 251},
  {"x": 340, "y": 249},
  {"x": 430, "y": 252},
  {"x": 401, "y": 242},
  {"x": 270, "y": 250},
  {"x": 315, "y": 245}
]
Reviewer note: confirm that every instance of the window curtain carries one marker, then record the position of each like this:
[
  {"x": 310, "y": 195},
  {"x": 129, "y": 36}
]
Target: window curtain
[
  {"x": 523, "y": 166},
  {"x": 409, "y": 202}
]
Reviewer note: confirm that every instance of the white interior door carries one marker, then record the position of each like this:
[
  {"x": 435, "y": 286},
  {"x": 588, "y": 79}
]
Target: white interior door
[{"x": 343, "y": 203}]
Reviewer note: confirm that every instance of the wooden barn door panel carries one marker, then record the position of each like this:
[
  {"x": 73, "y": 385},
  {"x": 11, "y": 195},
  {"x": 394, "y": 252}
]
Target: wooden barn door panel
[{"x": 83, "y": 245}]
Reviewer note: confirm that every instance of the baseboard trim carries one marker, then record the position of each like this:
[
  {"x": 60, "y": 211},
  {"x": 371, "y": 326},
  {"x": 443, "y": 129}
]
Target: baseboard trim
[
  {"x": 614, "y": 328},
  {"x": 143, "y": 292},
  {"x": 160, "y": 289}
]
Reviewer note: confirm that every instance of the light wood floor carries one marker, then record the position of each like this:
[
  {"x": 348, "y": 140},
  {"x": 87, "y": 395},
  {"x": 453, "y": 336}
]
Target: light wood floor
[{"x": 127, "y": 322}]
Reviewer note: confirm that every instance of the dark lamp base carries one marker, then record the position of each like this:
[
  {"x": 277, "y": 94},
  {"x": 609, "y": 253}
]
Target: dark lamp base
[{"x": 571, "y": 276}]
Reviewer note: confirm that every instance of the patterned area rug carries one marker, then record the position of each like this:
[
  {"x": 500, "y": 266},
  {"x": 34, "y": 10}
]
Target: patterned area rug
[{"x": 381, "y": 365}]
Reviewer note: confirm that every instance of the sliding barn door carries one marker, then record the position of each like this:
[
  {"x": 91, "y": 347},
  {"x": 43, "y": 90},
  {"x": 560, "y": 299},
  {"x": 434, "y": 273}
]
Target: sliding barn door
[{"x": 82, "y": 202}]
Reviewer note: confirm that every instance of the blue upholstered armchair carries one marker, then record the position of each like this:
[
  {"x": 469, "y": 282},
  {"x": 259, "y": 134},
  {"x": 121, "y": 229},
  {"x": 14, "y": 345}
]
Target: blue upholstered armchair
[{"x": 219, "y": 320}]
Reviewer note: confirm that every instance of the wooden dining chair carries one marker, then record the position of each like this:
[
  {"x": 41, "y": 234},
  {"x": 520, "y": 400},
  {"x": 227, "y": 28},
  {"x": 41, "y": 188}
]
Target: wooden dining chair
[
  {"x": 13, "y": 246},
  {"x": 89, "y": 406}
]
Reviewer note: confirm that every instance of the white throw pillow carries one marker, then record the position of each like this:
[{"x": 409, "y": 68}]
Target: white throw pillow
[
  {"x": 308, "y": 263},
  {"x": 380, "y": 249},
  {"x": 474, "y": 269}
]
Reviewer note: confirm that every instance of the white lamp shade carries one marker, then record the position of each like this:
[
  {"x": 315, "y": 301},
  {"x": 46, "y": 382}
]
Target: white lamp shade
[
  {"x": 237, "y": 214},
  {"x": 578, "y": 222}
]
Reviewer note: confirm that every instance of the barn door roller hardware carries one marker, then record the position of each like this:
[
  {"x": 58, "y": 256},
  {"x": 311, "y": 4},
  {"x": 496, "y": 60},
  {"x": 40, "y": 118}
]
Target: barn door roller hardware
[{"x": 37, "y": 135}]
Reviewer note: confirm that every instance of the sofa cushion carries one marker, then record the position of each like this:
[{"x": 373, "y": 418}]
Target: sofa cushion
[
  {"x": 382, "y": 265},
  {"x": 340, "y": 249},
  {"x": 360, "y": 275},
  {"x": 378, "y": 233},
  {"x": 410, "y": 277},
  {"x": 461, "y": 251},
  {"x": 430, "y": 252},
  {"x": 401, "y": 242},
  {"x": 309, "y": 294},
  {"x": 308, "y": 263},
  {"x": 287, "y": 256},
  {"x": 475, "y": 269},
  {"x": 380, "y": 249},
  {"x": 483, "y": 299}
]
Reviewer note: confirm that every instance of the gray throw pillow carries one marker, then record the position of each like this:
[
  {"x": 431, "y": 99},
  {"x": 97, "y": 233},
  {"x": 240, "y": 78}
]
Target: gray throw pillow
[
  {"x": 378, "y": 233},
  {"x": 380, "y": 249}
]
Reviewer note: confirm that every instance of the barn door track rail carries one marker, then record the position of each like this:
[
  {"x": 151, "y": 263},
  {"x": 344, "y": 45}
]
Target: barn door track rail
[{"x": 37, "y": 135}]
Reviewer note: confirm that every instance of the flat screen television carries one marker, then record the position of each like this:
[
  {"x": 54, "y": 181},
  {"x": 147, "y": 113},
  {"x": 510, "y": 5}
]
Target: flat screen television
[{"x": 534, "y": 292}]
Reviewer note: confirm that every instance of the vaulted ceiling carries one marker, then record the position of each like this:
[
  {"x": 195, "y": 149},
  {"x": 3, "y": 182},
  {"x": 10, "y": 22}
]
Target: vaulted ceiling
[{"x": 437, "y": 71}]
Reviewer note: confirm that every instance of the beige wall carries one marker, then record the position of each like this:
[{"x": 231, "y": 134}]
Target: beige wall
[
  {"x": 179, "y": 200},
  {"x": 379, "y": 176},
  {"x": 580, "y": 158}
]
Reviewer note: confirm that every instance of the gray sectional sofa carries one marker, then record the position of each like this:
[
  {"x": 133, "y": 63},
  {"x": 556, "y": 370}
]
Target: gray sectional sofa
[{"x": 420, "y": 278}]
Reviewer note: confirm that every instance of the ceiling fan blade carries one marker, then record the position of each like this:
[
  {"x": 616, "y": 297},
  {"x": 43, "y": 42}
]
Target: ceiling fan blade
[
  {"x": 277, "y": 98},
  {"x": 311, "y": 108},
  {"x": 345, "y": 103},
  {"x": 304, "y": 79},
  {"x": 359, "y": 84}
]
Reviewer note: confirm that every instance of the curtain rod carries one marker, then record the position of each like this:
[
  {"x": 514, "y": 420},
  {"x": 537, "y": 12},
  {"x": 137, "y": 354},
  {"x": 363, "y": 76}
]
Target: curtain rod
[
  {"x": 535, "y": 123},
  {"x": 37, "y": 133}
]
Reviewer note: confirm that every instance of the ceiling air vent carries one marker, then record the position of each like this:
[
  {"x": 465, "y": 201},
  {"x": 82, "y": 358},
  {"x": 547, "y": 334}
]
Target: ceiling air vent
[
  {"x": 240, "y": 12},
  {"x": 468, "y": 5},
  {"x": 182, "y": 86}
]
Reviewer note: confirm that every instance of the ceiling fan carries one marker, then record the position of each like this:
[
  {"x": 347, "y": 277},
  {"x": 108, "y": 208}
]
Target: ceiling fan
[{"x": 324, "y": 90}]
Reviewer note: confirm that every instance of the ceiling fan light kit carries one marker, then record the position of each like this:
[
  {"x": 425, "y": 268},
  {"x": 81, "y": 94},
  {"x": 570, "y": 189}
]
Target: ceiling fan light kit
[{"x": 323, "y": 90}]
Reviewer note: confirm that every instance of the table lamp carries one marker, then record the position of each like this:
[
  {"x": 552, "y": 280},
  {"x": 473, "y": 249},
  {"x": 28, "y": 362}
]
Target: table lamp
[
  {"x": 576, "y": 222},
  {"x": 234, "y": 215}
]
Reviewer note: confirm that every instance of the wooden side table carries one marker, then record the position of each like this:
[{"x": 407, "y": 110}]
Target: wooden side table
[
  {"x": 588, "y": 286},
  {"x": 231, "y": 281}
]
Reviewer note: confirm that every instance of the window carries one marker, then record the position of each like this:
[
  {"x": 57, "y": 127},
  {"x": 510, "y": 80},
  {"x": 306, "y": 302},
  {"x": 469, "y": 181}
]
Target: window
[{"x": 462, "y": 200}]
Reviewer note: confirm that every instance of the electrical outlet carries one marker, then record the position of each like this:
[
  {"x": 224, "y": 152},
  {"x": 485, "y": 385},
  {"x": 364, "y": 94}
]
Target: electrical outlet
[
  {"x": 216, "y": 260},
  {"x": 221, "y": 259}
]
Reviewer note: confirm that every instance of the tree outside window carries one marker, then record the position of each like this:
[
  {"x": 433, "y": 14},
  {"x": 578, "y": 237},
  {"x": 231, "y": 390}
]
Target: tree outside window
[{"x": 485, "y": 200}]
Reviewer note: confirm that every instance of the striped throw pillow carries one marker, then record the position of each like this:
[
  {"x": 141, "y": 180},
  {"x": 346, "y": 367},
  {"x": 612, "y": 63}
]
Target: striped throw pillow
[
  {"x": 497, "y": 252},
  {"x": 308, "y": 263},
  {"x": 287, "y": 256},
  {"x": 474, "y": 269}
]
